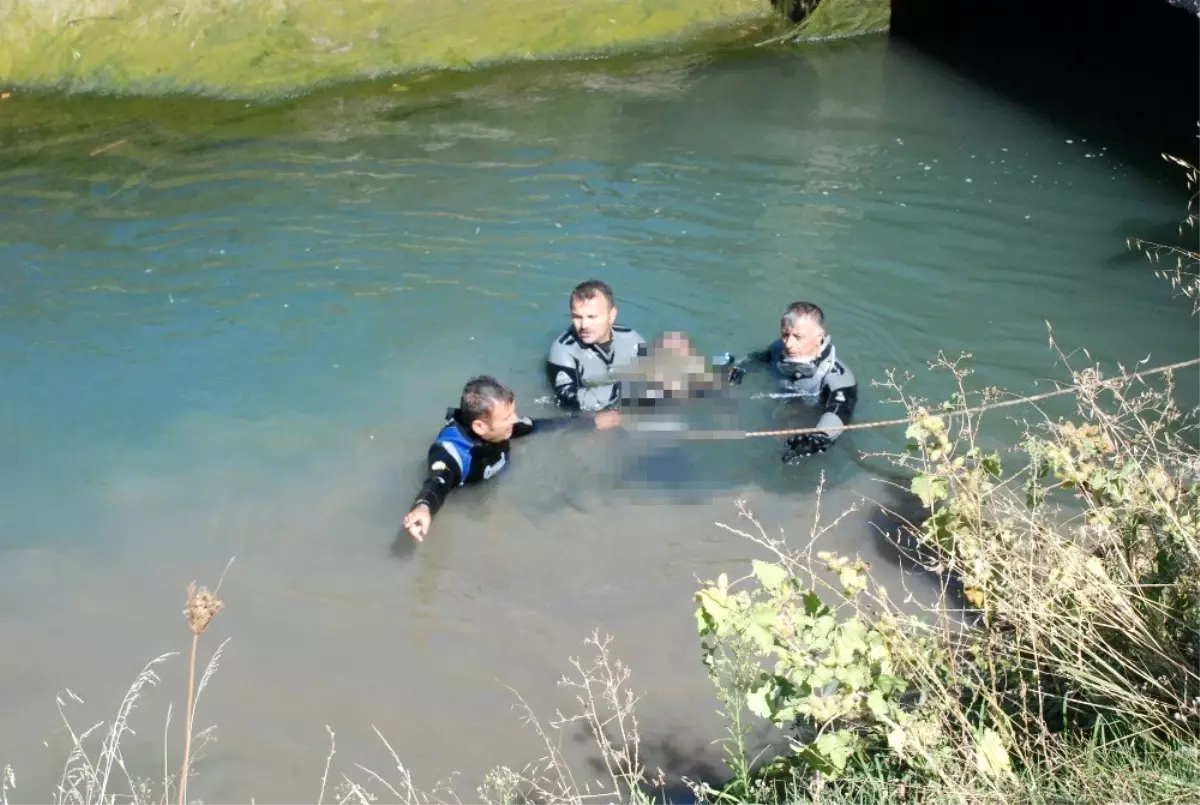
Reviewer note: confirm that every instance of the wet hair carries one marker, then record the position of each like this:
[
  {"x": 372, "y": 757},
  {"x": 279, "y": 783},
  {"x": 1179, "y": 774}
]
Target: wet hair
[
  {"x": 480, "y": 396},
  {"x": 802, "y": 310},
  {"x": 589, "y": 289}
]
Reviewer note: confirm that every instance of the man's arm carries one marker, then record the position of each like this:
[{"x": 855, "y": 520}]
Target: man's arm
[
  {"x": 575, "y": 421},
  {"x": 839, "y": 395},
  {"x": 757, "y": 358},
  {"x": 445, "y": 473},
  {"x": 563, "y": 374}
]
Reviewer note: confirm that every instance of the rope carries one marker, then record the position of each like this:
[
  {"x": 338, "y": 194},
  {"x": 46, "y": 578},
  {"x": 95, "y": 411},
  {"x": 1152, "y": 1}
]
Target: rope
[{"x": 735, "y": 434}]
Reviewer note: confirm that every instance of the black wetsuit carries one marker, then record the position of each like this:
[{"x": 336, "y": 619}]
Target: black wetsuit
[{"x": 458, "y": 457}]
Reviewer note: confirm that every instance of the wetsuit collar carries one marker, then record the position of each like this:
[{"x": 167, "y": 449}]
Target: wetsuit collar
[
  {"x": 809, "y": 368},
  {"x": 455, "y": 415}
]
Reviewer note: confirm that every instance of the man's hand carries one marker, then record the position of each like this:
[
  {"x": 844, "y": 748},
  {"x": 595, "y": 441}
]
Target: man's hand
[
  {"x": 417, "y": 521},
  {"x": 608, "y": 419},
  {"x": 804, "y": 445}
]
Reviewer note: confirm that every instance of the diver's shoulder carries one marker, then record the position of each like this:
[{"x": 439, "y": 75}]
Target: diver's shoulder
[
  {"x": 566, "y": 342},
  {"x": 624, "y": 333}
]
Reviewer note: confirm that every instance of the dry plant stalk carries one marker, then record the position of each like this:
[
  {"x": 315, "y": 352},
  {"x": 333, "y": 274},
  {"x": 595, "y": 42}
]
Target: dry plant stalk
[{"x": 202, "y": 607}]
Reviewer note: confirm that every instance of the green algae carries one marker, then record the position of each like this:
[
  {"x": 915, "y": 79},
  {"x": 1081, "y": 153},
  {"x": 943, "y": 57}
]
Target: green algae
[
  {"x": 833, "y": 19},
  {"x": 264, "y": 48}
]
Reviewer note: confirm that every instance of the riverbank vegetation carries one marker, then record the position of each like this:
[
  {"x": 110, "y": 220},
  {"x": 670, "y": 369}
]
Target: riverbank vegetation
[{"x": 1061, "y": 662}]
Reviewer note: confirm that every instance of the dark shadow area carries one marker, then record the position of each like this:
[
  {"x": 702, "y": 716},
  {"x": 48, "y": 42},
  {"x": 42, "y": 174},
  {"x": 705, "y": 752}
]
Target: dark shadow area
[
  {"x": 895, "y": 524},
  {"x": 690, "y": 758},
  {"x": 1120, "y": 73}
]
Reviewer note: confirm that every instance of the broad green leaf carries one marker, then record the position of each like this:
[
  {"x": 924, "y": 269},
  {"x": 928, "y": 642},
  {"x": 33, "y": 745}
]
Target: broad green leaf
[
  {"x": 823, "y": 626},
  {"x": 837, "y": 747},
  {"x": 763, "y": 638},
  {"x": 888, "y": 684},
  {"x": 929, "y": 488},
  {"x": 876, "y": 704},
  {"x": 813, "y": 604},
  {"x": 852, "y": 638},
  {"x": 896, "y": 740},
  {"x": 758, "y": 701},
  {"x": 770, "y": 575}
]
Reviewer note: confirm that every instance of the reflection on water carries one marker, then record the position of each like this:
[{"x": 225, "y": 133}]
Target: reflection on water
[{"x": 235, "y": 332}]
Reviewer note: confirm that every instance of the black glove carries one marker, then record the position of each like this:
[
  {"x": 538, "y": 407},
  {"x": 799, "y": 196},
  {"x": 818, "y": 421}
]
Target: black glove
[
  {"x": 736, "y": 374},
  {"x": 804, "y": 445}
]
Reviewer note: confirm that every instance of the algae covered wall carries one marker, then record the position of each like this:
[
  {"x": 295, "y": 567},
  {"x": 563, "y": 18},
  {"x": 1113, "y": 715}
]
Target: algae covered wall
[
  {"x": 257, "y": 48},
  {"x": 262, "y": 47}
]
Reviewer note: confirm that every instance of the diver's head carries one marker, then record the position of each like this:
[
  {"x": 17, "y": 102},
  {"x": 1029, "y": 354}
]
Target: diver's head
[
  {"x": 593, "y": 312},
  {"x": 802, "y": 331},
  {"x": 488, "y": 408}
]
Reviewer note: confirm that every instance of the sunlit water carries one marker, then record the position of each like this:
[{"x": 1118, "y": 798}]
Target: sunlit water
[{"x": 233, "y": 332}]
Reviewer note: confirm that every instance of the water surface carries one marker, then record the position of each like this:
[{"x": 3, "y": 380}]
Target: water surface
[{"x": 231, "y": 330}]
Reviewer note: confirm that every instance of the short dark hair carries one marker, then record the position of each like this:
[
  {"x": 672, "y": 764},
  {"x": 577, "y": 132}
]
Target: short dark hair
[
  {"x": 588, "y": 289},
  {"x": 802, "y": 310},
  {"x": 481, "y": 395}
]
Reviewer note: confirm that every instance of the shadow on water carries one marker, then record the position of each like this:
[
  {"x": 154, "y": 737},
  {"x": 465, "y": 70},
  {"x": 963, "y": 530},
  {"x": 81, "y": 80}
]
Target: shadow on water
[{"x": 1120, "y": 73}]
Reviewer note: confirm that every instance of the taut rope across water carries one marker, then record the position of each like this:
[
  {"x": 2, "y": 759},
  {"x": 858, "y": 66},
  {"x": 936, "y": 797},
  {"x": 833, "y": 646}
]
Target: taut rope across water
[{"x": 880, "y": 423}]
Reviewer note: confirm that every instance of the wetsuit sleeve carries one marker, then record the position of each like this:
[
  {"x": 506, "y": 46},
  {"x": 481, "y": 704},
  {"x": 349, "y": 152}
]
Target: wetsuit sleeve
[
  {"x": 755, "y": 359},
  {"x": 444, "y": 474},
  {"x": 839, "y": 396},
  {"x": 563, "y": 372},
  {"x": 759, "y": 357},
  {"x": 526, "y": 425}
]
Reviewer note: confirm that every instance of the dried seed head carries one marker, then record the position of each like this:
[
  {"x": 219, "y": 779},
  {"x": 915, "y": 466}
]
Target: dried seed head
[{"x": 202, "y": 606}]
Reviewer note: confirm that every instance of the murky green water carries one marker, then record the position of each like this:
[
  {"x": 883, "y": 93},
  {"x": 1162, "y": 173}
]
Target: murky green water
[{"x": 231, "y": 330}]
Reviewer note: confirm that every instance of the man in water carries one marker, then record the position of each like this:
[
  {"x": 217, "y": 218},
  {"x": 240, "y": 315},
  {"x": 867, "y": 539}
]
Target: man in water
[
  {"x": 806, "y": 365},
  {"x": 582, "y": 358},
  {"x": 473, "y": 445}
]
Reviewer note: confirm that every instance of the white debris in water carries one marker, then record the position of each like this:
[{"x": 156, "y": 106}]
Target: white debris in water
[
  {"x": 557, "y": 225},
  {"x": 1070, "y": 142},
  {"x": 148, "y": 270},
  {"x": 1087, "y": 156},
  {"x": 1005, "y": 150},
  {"x": 969, "y": 179},
  {"x": 928, "y": 167},
  {"x": 899, "y": 141},
  {"x": 476, "y": 230},
  {"x": 285, "y": 304},
  {"x": 1027, "y": 217}
]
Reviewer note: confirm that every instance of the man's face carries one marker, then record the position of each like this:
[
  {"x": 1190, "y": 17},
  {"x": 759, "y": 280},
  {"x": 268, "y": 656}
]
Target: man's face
[
  {"x": 498, "y": 424},
  {"x": 802, "y": 340},
  {"x": 593, "y": 319}
]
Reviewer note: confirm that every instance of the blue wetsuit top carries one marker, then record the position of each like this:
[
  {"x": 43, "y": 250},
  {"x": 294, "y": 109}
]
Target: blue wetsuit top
[{"x": 458, "y": 457}]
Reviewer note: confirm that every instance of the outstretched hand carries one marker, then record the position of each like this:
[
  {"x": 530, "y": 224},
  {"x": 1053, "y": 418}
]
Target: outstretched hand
[
  {"x": 805, "y": 445},
  {"x": 417, "y": 521}
]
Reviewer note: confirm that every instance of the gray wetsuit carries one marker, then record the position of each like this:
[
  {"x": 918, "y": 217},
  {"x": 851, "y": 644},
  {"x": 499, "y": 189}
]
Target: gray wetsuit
[
  {"x": 577, "y": 371},
  {"x": 825, "y": 383}
]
